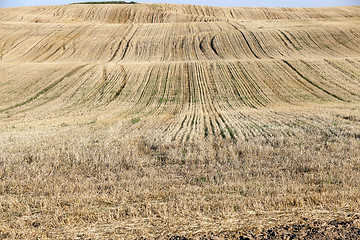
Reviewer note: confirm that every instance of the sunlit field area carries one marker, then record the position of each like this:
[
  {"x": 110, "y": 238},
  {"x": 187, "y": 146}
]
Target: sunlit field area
[{"x": 143, "y": 121}]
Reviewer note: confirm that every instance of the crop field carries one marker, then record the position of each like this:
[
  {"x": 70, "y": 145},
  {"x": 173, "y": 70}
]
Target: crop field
[{"x": 143, "y": 121}]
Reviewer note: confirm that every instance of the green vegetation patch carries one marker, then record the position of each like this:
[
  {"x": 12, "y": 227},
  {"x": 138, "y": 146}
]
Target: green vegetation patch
[{"x": 135, "y": 120}]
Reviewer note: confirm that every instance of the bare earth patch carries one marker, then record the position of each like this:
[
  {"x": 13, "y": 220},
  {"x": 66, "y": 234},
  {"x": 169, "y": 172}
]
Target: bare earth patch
[{"x": 336, "y": 229}]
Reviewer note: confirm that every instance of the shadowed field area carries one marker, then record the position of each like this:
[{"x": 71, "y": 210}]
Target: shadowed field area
[{"x": 156, "y": 120}]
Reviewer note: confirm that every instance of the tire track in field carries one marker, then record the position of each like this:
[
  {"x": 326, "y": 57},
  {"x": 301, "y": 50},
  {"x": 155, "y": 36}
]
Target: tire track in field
[
  {"x": 284, "y": 34},
  {"x": 213, "y": 113},
  {"x": 77, "y": 33},
  {"x": 246, "y": 41},
  {"x": 329, "y": 80},
  {"x": 128, "y": 43},
  {"x": 165, "y": 104},
  {"x": 37, "y": 43},
  {"x": 342, "y": 38},
  {"x": 12, "y": 39},
  {"x": 122, "y": 85},
  {"x": 205, "y": 115},
  {"x": 81, "y": 85},
  {"x": 109, "y": 84},
  {"x": 44, "y": 90},
  {"x": 190, "y": 110},
  {"x": 311, "y": 82},
  {"x": 120, "y": 44},
  {"x": 190, "y": 104},
  {"x": 207, "y": 97},
  {"x": 353, "y": 77}
]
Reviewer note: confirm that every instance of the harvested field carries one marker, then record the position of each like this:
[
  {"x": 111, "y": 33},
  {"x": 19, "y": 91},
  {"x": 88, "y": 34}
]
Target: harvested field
[{"x": 179, "y": 121}]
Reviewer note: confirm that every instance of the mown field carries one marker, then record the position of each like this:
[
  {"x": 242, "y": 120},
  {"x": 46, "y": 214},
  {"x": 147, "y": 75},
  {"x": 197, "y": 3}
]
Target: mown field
[{"x": 160, "y": 120}]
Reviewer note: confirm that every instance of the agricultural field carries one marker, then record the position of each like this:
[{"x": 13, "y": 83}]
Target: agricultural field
[{"x": 143, "y": 121}]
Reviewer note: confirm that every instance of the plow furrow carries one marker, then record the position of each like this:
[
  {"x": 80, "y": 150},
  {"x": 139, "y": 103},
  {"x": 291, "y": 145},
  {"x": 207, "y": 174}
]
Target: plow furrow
[{"x": 185, "y": 72}]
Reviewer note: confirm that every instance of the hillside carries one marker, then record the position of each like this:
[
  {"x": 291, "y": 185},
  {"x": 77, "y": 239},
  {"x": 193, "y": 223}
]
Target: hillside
[
  {"x": 185, "y": 61},
  {"x": 156, "y": 106}
]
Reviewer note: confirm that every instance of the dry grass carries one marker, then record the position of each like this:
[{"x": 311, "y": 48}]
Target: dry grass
[
  {"x": 102, "y": 184},
  {"x": 156, "y": 120}
]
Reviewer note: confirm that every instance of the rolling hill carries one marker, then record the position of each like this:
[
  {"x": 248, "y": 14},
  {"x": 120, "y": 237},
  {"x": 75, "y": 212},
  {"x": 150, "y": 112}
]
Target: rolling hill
[{"x": 162, "y": 110}]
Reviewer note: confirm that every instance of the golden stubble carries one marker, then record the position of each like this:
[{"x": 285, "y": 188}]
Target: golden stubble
[{"x": 127, "y": 121}]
